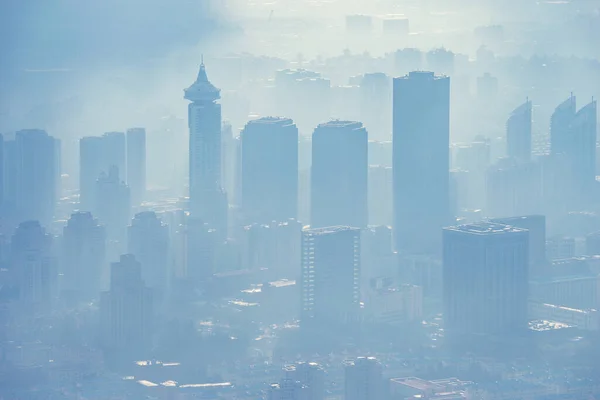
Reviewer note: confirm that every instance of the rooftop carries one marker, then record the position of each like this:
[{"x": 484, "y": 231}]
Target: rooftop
[
  {"x": 485, "y": 228},
  {"x": 329, "y": 230},
  {"x": 341, "y": 124},
  {"x": 271, "y": 121}
]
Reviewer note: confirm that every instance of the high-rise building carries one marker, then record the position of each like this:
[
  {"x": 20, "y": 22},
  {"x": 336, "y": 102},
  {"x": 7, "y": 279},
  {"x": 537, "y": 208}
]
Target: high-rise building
[
  {"x": 339, "y": 174},
  {"x": 487, "y": 87},
  {"x": 518, "y": 133},
  {"x": 113, "y": 204},
  {"x": 309, "y": 374},
  {"x": 126, "y": 309},
  {"x": 37, "y": 175},
  {"x": 375, "y": 105},
  {"x": 485, "y": 272},
  {"x": 269, "y": 170},
  {"x": 208, "y": 200},
  {"x": 114, "y": 152},
  {"x": 83, "y": 257},
  {"x": 91, "y": 165},
  {"x": 421, "y": 161},
  {"x": 34, "y": 265},
  {"x": 560, "y": 125},
  {"x": 148, "y": 241},
  {"x": 363, "y": 379},
  {"x": 330, "y": 275},
  {"x": 583, "y": 148},
  {"x": 136, "y": 164}
]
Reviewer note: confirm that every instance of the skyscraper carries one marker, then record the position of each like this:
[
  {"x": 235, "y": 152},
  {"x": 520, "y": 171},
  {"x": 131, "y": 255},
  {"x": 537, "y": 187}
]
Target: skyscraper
[
  {"x": 339, "y": 173},
  {"x": 34, "y": 265},
  {"x": 559, "y": 125},
  {"x": 330, "y": 275},
  {"x": 269, "y": 170},
  {"x": 91, "y": 165},
  {"x": 114, "y": 152},
  {"x": 37, "y": 176},
  {"x": 583, "y": 148},
  {"x": 518, "y": 133},
  {"x": 208, "y": 200},
  {"x": 113, "y": 204},
  {"x": 375, "y": 106},
  {"x": 83, "y": 257},
  {"x": 421, "y": 160},
  {"x": 363, "y": 379},
  {"x": 126, "y": 309},
  {"x": 136, "y": 164},
  {"x": 148, "y": 241},
  {"x": 485, "y": 280}
]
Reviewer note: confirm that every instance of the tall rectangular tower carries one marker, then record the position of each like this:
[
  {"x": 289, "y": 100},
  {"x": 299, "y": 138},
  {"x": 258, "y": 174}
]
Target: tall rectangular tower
[
  {"x": 339, "y": 189},
  {"x": 330, "y": 274},
  {"x": 485, "y": 279},
  {"x": 269, "y": 170},
  {"x": 421, "y": 160},
  {"x": 208, "y": 200}
]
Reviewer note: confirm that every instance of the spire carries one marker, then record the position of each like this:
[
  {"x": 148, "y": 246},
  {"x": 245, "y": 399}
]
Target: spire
[{"x": 202, "y": 89}]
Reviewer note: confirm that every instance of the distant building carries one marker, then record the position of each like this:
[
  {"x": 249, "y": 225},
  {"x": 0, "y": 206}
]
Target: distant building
[
  {"x": 513, "y": 188},
  {"x": 485, "y": 280},
  {"x": 35, "y": 266},
  {"x": 126, "y": 309},
  {"x": 287, "y": 389},
  {"x": 114, "y": 152},
  {"x": 136, "y": 164},
  {"x": 113, "y": 204},
  {"x": 592, "y": 244},
  {"x": 83, "y": 257},
  {"x": 311, "y": 375},
  {"x": 36, "y": 172},
  {"x": 487, "y": 87},
  {"x": 376, "y": 105},
  {"x": 339, "y": 189},
  {"x": 416, "y": 388},
  {"x": 518, "y": 133},
  {"x": 421, "y": 161},
  {"x": 91, "y": 165},
  {"x": 359, "y": 23},
  {"x": 395, "y": 25},
  {"x": 269, "y": 170},
  {"x": 148, "y": 241},
  {"x": 330, "y": 275},
  {"x": 363, "y": 379},
  {"x": 208, "y": 200},
  {"x": 560, "y": 125}
]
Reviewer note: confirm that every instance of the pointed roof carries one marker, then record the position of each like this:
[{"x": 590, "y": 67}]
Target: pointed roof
[{"x": 202, "y": 89}]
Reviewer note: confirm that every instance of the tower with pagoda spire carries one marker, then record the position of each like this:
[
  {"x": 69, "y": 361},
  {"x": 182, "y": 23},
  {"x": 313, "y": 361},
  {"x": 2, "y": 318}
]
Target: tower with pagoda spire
[{"x": 208, "y": 200}]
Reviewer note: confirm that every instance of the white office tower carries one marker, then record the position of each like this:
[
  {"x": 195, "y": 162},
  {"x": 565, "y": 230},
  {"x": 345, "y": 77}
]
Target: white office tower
[
  {"x": 83, "y": 257},
  {"x": 126, "y": 309},
  {"x": 35, "y": 266},
  {"x": 148, "y": 241},
  {"x": 208, "y": 200},
  {"x": 37, "y": 175},
  {"x": 330, "y": 275},
  {"x": 136, "y": 164},
  {"x": 363, "y": 379}
]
